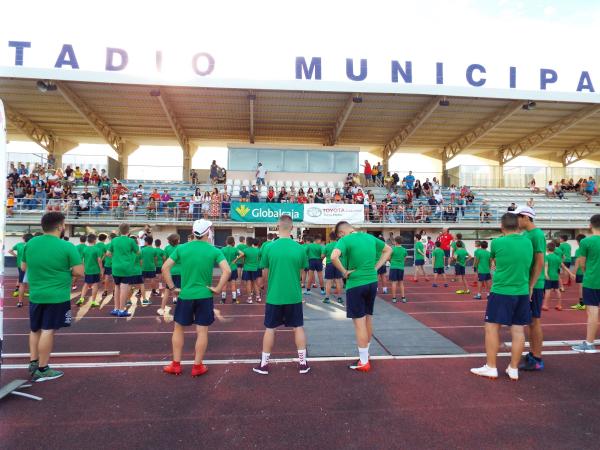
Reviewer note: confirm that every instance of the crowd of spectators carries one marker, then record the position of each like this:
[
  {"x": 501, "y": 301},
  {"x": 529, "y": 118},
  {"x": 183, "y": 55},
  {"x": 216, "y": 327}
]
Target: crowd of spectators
[{"x": 584, "y": 186}]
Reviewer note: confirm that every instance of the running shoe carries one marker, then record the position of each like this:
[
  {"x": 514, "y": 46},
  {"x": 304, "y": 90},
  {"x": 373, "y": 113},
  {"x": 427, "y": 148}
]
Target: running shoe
[
  {"x": 222, "y": 301},
  {"x": 33, "y": 366},
  {"x": 322, "y": 291},
  {"x": 94, "y": 304},
  {"x": 513, "y": 374},
  {"x": 146, "y": 302},
  {"x": 307, "y": 292},
  {"x": 173, "y": 369},
  {"x": 303, "y": 368},
  {"x": 262, "y": 370},
  {"x": 124, "y": 313},
  {"x": 259, "y": 300},
  {"x": 434, "y": 285},
  {"x": 485, "y": 371},
  {"x": 360, "y": 367},
  {"x": 462, "y": 291},
  {"x": 326, "y": 300},
  {"x": 584, "y": 347},
  {"x": 199, "y": 369},
  {"x": 174, "y": 301},
  {"x": 160, "y": 312},
  {"x": 561, "y": 289},
  {"x": 477, "y": 297},
  {"x": 155, "y": 292},
  {"x": 26, "y": 294},
  {"x": 114, "y": 312},
  {"x": 445, "y": 284},
  {"x": 249, "y": 301},
  {"x": 19, "y": 304},
  {"x": 80, "y": 302},
  {"x": 385, "y": 290},
  {"x": 404, "y": 300},
  {"x": 15, "y": 293},
  {"x": 531, "y": 364},
  {"x": 340, "y": 300},
  {"x": 394, "y": 300},
  {"x": 47, "y": 375}
]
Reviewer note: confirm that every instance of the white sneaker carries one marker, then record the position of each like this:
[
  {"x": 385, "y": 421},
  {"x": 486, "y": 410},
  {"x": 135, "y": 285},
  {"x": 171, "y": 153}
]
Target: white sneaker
[
  {"x": 385, "y": 290},
  {"x": 513, "y": 374},
  {"x": 160, "y": 312},
  {"x": 485, "y": 371}
]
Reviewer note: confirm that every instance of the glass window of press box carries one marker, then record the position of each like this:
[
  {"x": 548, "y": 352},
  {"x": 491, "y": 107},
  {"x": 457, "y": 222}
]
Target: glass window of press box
[{"x": 284, "y": 160}]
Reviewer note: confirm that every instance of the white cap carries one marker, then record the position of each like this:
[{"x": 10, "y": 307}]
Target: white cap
[
  {"x": 201, "y": 227},
  {"x": 524, "y": 211}
]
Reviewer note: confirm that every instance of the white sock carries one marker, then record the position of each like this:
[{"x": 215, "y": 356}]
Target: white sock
[
  {"x": 302, "y": 356},
  {"x": 238, "y": 292},
  {"x": 223, "y": 295},
  {"x": 233, "y": 295},
  {"x": 363, "y": 354},
  {"x": 265, "y": 359}
]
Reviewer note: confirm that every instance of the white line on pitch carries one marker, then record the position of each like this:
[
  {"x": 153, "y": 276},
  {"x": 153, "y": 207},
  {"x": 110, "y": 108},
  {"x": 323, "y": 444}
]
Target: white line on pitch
[
  {"x": 118, "y": 333},
  {"x": 137, "y": 317},
  {"x": 64, "y": 354},
  {"x": 556, "y": 343},
  {"x": 275, "y": 360},
  {"x": 445, "y": 312}
]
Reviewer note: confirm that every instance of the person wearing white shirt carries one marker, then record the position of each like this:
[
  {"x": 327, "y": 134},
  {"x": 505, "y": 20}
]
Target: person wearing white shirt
[{"x": 261, "y": 172}]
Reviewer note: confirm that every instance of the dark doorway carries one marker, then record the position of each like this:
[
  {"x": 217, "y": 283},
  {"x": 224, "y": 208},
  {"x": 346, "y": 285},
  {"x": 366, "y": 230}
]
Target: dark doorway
[{"x": 221, "y": 235}]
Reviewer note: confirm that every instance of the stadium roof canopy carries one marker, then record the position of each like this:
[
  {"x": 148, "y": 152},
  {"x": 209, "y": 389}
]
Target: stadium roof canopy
[{"x": 442, "y": 127}]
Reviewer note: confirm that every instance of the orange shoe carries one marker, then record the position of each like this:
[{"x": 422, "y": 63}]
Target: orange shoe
[
  {"x": 199, "y": 369},
  {"x": 359, "y": 367},
  {"x": 174, "y": 368},
  {"x": 558, "y": 308}
]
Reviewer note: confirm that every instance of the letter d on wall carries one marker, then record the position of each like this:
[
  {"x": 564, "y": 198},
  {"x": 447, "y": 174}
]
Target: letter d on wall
[{"x": 110, "y": 59}]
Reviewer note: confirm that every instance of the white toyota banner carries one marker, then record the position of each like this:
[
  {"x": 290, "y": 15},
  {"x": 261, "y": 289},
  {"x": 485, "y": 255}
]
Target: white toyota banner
[{"x": 332, "y": 213}]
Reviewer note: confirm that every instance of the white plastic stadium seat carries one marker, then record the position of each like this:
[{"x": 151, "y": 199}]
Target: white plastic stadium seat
[
  {"x": 288, "y": 184},
  {"x": 245, "y": 183},
  {"x": 330, "y": 185},
  {"x": 236, "y": 182},
  {"x": 229, "y": 182},
  {"x": 321, "y": 184},
  {"x": 296, "y": 184},
  {"x": 305, "y": 185},
  {"x": 340, "y": 184}
]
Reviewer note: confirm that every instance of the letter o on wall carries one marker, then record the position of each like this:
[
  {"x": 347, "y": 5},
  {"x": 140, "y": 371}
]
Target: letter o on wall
[{"x": 209, "y": 62}]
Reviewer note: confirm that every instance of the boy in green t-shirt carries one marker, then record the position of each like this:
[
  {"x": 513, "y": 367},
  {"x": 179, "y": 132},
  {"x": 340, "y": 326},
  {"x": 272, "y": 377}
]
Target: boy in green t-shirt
[
  {"x": 160, "y": 259},
  {"x": 419, "y": 258},
  {"x": 453, "y": 248},
  {"x": 477, "y": 248},
  {"x": 396, "y": 275},
  {"x": 173, "y": 243},
  {"x": 231, "y": 253},
  {"x": 438, "y": 257},
  {"x": 93, "y": 270},
  {"x": 284, "y": 262},
  {"x": 461, "y": 257},
  {"x": 149, "y": 263},
  {"x": 567, "y": 252},
  {"x": 251, "y": 256},
  {"x": 552, "y": 265},
  {"x": 17, "y": 251},
  {"x": 106, "y": 262},
  {"x": 331, "y": 273},
  {"x": 315, "y": 264},
  {"x": 589, "y": 260},
  {"x": 578, "y": 275},
  {"x": 241, "y": 247},
  {"x": 81, "y": 245},
  {"x": 482, "y": 262}
]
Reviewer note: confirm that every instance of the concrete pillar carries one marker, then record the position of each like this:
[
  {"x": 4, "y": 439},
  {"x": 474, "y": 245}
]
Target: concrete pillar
[
  {"x": 58, "y": 148},
  {"x": 127, "y": 148},
  {"x": 188, "y": 154}
]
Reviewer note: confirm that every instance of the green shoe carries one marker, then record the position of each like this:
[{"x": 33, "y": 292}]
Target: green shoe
[
  {"x": 33, "y": 366},
  {"x": 80, "y": 302},
  {"x": 47, "y": 375},
  {"x": 326, "y": 300},
  {"x": 15, "y": 293},
  {"x": 340, "y": 300},
  {"x": 94, "y": 304}
]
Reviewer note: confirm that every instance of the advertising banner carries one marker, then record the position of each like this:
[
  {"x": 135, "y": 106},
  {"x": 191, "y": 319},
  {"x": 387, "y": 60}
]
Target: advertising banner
[
  {"x": 330, "y": 214},
  {"x": 265, "y": 212}
]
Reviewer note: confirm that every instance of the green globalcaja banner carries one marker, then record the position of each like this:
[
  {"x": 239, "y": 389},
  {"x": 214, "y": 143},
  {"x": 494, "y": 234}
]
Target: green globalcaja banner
[{"x": 265, "y": 212}]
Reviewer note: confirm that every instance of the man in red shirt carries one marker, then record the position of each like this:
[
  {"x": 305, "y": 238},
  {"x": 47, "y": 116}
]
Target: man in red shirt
[
  {"x": 368, "y": 172},
  {"x": 183, "y": 207},
  {"x": 445, "y": 239},
  {"x": 359, "y": 197}
]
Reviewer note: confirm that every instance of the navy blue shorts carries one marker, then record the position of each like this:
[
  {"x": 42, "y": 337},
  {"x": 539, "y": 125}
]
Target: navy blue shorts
[
  {"x": 137, "y": 279},
  {"x": 484, "y": 276},
  {"x": 459, "y": 270},
  {"x": 332, "y": 273},
  {"x": 591, "y": 297},
  {"x": 158, "y": 270},
  {"x": 124, "y": 280},
  {"x": 176, "y": 281},
  {"x": 567, "y": 264},
  {"x": 537, "y": 299},
  {"x": 21, "y": 275},
  {"x": 579, "y": 278},
  {"x": 315, "y": 264},
  {"x": 233, "y": 276},
  {"x": 551, "y": 284},
  {"x": 438, "y": 270},
  {"x": 249, "y": 275},
  {"x": 382, "y": 270},
  {"x": 447, "y": 253},
  {"x": 360, "y": 301},
  {"x": 148, "y": 274},
  {"x": 108, "y": 271},
  {"x": 197, "y": 312},
  {"x": 49, "y": 316},
  {"x": 474, "y": 269},
  {"x": 396, "y": 275},
  {"x": 92, "y": 279},
  {"x": 259, "y": 273},
  {"x": 508, "y": 309},
  {"x": 419, "y": 262},
  {"x": 287, "y": 315}
]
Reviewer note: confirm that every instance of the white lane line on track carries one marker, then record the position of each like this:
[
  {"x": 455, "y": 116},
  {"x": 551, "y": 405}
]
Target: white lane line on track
[
  {"x": 119, "y": 333},
  {"x": 139, "y": 317},
  {"x": 131, "y": 364},
  {"x": 64, "y": 354},
  {"x": 556, "y": 343}
]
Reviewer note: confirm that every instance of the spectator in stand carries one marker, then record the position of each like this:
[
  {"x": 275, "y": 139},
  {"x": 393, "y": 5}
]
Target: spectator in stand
[
  {"x": 532, "y": 186},
  {"x": 86, "y": 177},
  {"x": 226, "y": 206},
  {"x": 205, "y": 204},
  {"x": 359, "y": 197},
  {"x": 319, "y": 196},
  {"x": 418, "y": 189},
  {"x": 512, "y": 207},
  {"x": 435, "y": 184},
  {"x": 254, "y": 195},
  {"x": 282, "y": 197},
  {"x": 337, "y": 196},
  {"x": 438, "y": 197},
  {"x": 95, "y": 177},
  {"x": 558, "y": 190},
  {"x": 83, "y": 205},
  {"x": 164, "y": 199},
  {"x": 194, "y": 177},
  {"x": 215, "y": 203},
  {"x": 427, "y": 190},
  {"x": 550, "y": 190},
  {"x": 531, "y": 203},
  {"x": 68, "y": 171},
  {"x": 368, "y": 172},
  {"x": 410, "y": 181},
  {"x": 452, "y": 193},
  {"x": 104, "y": 183},
  {"x": 388, "y": 181},
  {"x": 467, "y": 194},
  {"x": 310, "y": 195},
  {"x": 183, "y": 208},
  {"x": 328, "y": 196},
  {"x": 261, "y": 173},
  {"x": 271, "y": 195},
  {"x": 590, "y": 189},
  {"x": 151, "y": 208},
  {"x": 214, "y": 172},
  {"x": 139, "y": 193},
  {"x": 302, "y": 199},
  {"x": 244, "y": 194},
  {"x": 40, "y": 196},
  {"x": 380, "y": 173},
  {"x": 450, "y": 213},
  {"x": 484, "y": 211},
  {"x": 97, "y": 207}
]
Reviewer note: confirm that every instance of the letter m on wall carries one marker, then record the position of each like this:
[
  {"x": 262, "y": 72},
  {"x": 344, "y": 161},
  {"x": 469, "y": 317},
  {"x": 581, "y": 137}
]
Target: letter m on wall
[{"x": 304, "y": 70}]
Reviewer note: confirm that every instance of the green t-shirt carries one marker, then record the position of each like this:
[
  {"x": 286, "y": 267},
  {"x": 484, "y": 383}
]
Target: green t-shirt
[
  {"x": 438, "y": 258},
  {"x": 461, "y": 255},
  {"x": 538, "y": 242},
  {"x": 148, "y": 258},
  {"x": 123, "y": 250},
  {"x": 80, "y": 248},
  {"x": 284, "y": 260},
  {"x": 137, "y": 264},
  {"x": 241, "y": 248},
  {"x": 160, "y": 257},
  {"x": 559, "y": 252},
  {"x": 197, "y": 260},
  {"x": 328, "y": 250},
  {"x": 589, "y": 248},
  {"x": 91, "y": 253},
  {"x": 567, "y": 251},
  {"x": 359, "y": 251},
  {"x": 513, "y": 254},
  {"x": 251, "y": 258},
  {"x": 176, "y": 269},
  {"x": 50, "y": 277},
  {"x": 577, "y": 255},
  {"x": 553, "y": 261},
  {"x": 419, "y": 247},
  {"x": 398, "y": 257},
  {"x": 230, "y": 253},
  {"x": 315, "y": 251},
  {"x": 18, "y": 249},
  {"x": 483, "y": 261},
  {"x": 107, "y": 261},
  {"x": 263, "y": 249}
]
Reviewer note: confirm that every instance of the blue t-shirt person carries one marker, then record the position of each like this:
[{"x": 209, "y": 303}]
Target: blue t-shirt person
[
  {"x": 591, "y": 184},
  {"x": 410, "y": 180}
]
